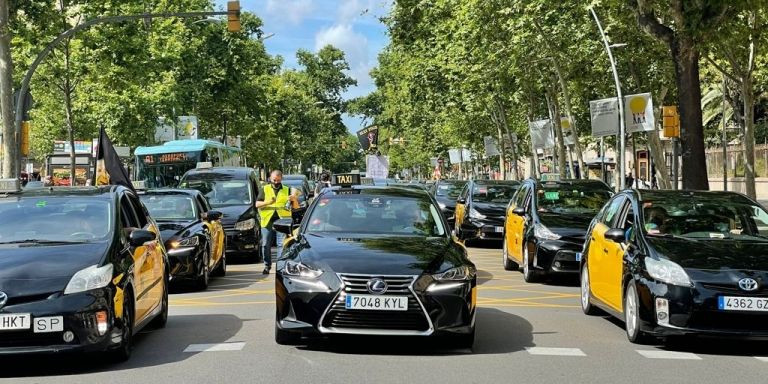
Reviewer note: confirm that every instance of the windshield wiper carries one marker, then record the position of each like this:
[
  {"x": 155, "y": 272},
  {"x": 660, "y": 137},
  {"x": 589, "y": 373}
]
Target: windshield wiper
[{"x": 40, "y": 241}]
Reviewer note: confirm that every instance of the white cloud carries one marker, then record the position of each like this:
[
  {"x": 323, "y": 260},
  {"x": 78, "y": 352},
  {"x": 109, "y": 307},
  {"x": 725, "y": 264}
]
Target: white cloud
[
  {"x": 344, "y": 37},
  {"x": 350, "y": 10},
  {"x": 294, "y": 11}
]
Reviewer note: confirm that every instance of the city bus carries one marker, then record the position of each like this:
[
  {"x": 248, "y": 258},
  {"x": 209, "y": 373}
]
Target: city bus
[{"x": 163, "y": 165}]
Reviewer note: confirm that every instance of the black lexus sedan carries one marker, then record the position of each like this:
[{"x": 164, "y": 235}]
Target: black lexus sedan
[
  {"x": 678, "y": 263},
  {"x": 81, "y": 269},
  {"x": 233, "y": 192},
  {"x": 191, "y": 232},
  {"x": 446, "y": 192},
  {"x": 374, "y": 261},
  {"x": 546, "y": 224},
  {"x": 480, "y": 209}
]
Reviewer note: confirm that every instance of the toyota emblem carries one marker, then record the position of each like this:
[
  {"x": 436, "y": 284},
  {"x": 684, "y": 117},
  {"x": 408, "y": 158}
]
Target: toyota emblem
[
  {"x": 748, "y": 284},
  {"x": 377, "y": 286},
  {"x": 3, "y": 299}
]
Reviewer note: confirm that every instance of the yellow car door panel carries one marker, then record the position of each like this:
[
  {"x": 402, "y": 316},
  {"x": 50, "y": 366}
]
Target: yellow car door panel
[{"x": 605, "y": 257}]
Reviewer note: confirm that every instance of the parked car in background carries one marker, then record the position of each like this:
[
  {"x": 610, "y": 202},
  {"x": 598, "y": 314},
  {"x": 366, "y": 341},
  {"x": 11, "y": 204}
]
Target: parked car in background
[
  {"x": 446, "y": 192},
  {"x": 480, "y": 209}
]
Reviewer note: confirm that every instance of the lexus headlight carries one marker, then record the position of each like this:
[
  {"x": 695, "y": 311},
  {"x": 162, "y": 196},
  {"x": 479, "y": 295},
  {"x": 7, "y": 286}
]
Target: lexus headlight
[
  {"x": 456, "y": 274},
  {"x": 245, "y": 225},
  {"x": 475, "y": 214},
  {"x": 542, "y": 232},
  {"x": 297, "y": 269},
  {"x": 89, "y": 278},
  {"x": 188, "y": 242},
  {"x": 667, "y": 271}
]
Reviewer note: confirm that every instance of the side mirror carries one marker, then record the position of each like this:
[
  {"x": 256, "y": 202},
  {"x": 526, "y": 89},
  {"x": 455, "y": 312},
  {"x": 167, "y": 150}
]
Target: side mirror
[
  {"x": 284, "y": 226},
  {"x": 461, "y": 201},
  {"x": 140, "y": 237},
  {"x": 617, "y": 235},
  {"x": 520, "y": 211},
  {"x": 212, "y": 215}
]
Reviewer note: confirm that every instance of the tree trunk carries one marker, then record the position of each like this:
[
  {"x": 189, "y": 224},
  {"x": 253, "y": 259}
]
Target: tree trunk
[
  {"x": 502, "y": 153},
  {"x": 686, "y": 59},
  {"x": 10, "y": 147},
  {"x": 67, "y": 89},
  {"x": 747, "y": 92},
  {"x": 560, "y": 143},
  {"x": 512, "y": 146},
  {"x": 567, "y": 102},
  {"x": 657, "y": 149}
]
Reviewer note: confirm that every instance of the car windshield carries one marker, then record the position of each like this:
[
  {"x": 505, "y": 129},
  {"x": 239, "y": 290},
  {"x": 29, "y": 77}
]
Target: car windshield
[
  {"x": 571, "y": 199},
  {"x": 449, "y": 190},
  {"x": 55, "y": 219},
  {"x": 705, "y": 217},
  {"x": 220, "y": 192},
  {"x": 374, "y": 214},
  {"x": 493, "y": 193},
  {"x": 170, "y": 207}
]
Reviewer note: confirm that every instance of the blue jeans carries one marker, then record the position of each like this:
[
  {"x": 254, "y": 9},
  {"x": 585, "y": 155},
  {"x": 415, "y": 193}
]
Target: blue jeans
[{"x": 268, "y": 235}]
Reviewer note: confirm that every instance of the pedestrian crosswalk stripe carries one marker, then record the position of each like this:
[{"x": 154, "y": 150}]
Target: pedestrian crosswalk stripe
[
  {"x": 215, "y": 347},
  {"x": 656, "y": 354},
  {"x": 544, "y": 351}
]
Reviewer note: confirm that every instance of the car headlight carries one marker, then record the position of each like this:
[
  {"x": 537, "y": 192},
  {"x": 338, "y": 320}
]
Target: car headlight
[
  {"x": 475, "y": 214},
  {"x": 667, "y": 271},
  {"x": 297, "y": 269},
  {"x": 245, "y": 225},
  {"x": 93, "y": 277},
  {"x": 188, "y": 242},
  {"x": 542, "y": 232},
  {"x": 456, "y": 274}
]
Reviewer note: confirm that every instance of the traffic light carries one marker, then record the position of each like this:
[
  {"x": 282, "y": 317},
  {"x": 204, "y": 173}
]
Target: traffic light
[
  {"x": 25, "y": 138},
  {"x": 671, "y": 121},
  {"x": 233, "y": 16}
]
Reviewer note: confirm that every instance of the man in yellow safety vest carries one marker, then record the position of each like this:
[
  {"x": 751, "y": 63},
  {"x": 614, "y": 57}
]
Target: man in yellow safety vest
[{"x": 274, "y": 202}]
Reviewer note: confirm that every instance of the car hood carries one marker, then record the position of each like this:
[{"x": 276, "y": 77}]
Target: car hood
[
  {"x": 232, "y": 213},
  {"x": 169, "y": 229},
  {"x": 566, "y": 225},
  {"x": 490, "y": 209},
  {"x": 698, "y": 254},
  {"x": 27, "y": 270},
  {"x": 379, "y": 255},
  {"x": 447, "y": 201}
]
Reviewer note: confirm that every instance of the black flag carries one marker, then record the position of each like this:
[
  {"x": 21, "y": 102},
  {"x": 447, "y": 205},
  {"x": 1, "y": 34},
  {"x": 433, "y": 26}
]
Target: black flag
[{"x": 109, "y": 169}]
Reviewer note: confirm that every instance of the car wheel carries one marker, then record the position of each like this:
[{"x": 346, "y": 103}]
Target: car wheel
[
  {"x": 586, "y": 293},
  {"x": 221, "y": 269},
  {"x": 632, "y": 316},
  {"x": 466, "y": 341},
  {"x": 162, "y": 318},
  {"x": 123, "y": 352},
  {"x": 204, "y": 274},
  {"x": 508, "y": 264},
  {"x": 529, "y": 274}
]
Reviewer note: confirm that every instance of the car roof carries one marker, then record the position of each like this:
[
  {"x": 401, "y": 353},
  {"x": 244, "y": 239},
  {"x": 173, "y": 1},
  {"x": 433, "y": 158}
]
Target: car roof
[
  {"x": 382, "y": 190},
  {"x": 590, "y": 182},
  {"x": 496, "y": 182},
  {"x": 660, "y": 194},
  {"x": 173, "y": 191},
  {"x": 100, "y": 191},
  {"x": 294, "y": 177},
  {"x": 239, "y": 171}
]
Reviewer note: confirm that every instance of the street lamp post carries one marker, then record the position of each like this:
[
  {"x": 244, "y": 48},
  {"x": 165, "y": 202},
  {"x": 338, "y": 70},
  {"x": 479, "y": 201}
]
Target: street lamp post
[{"x": 620, "y": 100}]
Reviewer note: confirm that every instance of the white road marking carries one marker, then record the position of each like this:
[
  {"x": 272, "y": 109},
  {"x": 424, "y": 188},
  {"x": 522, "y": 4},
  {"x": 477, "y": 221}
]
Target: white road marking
[
  {"x": 762, "y": 358},
  {"x": 656, "y": 354},
  {"x": 544, "y": 351},
  {"x": 215, "y": 347}
]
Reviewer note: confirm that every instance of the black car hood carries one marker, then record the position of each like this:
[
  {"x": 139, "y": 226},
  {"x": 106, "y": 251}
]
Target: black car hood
[
  {"x": 32, "y": 270},
  {"x": 490, "y": 209},
  {"x": 169, "y": 229},
  {"x": 447, "y": 201},
  {"x": 712, "y": 254},
  {"x": 379, "y": 255},
  {"x": 566, "y": 224},
  {"x": 231, "y": 213}
]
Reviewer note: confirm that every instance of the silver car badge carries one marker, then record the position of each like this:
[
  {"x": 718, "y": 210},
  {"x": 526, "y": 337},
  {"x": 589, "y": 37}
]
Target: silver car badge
[
  {"x": 377, "y": 286},
  {"x": 748, "y": 284}
]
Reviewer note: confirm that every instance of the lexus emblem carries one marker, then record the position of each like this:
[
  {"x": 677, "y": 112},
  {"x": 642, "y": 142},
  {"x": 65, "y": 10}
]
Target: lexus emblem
[
  {"x": 377, "y": 286},
  {"x": 748, "y": 284},
  {"x": 3, "y": 299}
]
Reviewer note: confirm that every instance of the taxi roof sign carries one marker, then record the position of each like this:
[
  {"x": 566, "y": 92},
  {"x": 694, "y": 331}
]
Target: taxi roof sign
[
  {"x": 10, "y": 185},
  {"x": 346, "y": 179},
  {"x": 550, "y": 177},
  {"x": 204, "y": 165}
]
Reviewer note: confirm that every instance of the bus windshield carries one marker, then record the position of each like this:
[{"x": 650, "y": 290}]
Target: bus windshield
[{"x": 164, "y": 165}]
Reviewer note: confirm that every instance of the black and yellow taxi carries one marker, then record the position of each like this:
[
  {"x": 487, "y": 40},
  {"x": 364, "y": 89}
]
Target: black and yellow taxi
[
  {"x": 81, "y": 269},
  {"x": 192, "y": 233},
  {"x": 480, "y": 209},
  {"x": 371, "y": 260},
  {"x": 678, "y": 263},
  {"x": 546, "y": 223}
]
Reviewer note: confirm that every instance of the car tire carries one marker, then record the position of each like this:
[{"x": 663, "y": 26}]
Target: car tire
[
  {"x": 529, "y": 274},
  {"x": 284, "y": 337},
  {"x": 586, "y": 293},
  {"x": 161, "y": 319},
  {"x": 202, "y": 280},
  {"x": 508, "y": 264},
  {"x": 465, "y": 341},
  {"x": 632, "y": 316},
  {"x": 123, "y": 351},
  {"x": 221, "y": 268}
]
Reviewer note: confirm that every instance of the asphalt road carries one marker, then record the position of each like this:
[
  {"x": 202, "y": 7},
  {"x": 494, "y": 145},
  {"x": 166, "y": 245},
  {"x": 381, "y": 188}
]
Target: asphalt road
[{"x": 531, "y": 333}]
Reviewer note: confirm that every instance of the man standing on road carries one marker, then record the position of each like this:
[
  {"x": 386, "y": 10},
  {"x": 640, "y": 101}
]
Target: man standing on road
[{"x": 273, "y": 202}]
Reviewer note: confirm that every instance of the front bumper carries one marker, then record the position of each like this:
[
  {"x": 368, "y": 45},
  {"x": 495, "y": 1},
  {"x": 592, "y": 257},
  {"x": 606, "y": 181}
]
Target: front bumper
[
  {"x": 317, "y": 308},
  {"x": 483, "y": 229},
  {"x": 242, "y": 241},
  {"x": 694, "y": 311},
  {"x": 184, "y": 262},
  {"x": 78, "y": 312},
  {"x": 557, "y": 257}
]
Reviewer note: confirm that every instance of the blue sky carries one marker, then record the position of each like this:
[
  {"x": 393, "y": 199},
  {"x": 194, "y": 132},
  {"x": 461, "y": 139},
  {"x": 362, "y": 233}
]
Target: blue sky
[{"x": 350, "y": 25}]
